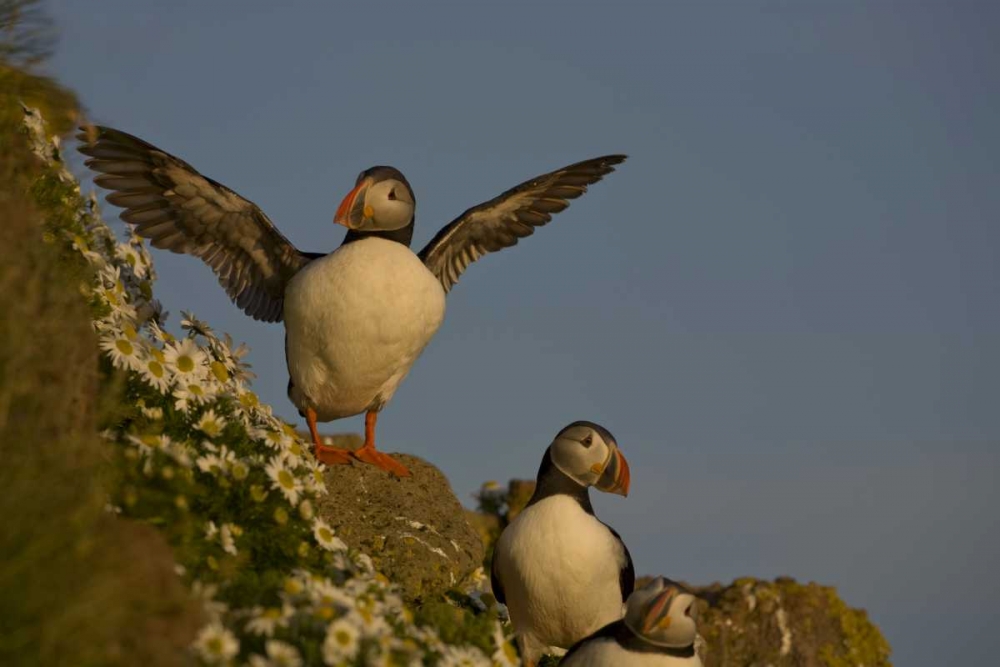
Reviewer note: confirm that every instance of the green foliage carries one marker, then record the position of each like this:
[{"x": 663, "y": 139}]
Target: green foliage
[
  {"x": 61, "y": 555},
  {"x": 459, "y": 620}
]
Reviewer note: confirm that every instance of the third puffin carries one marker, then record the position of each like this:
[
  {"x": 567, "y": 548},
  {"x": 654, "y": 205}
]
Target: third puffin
[{"x": 355, "y": 319}]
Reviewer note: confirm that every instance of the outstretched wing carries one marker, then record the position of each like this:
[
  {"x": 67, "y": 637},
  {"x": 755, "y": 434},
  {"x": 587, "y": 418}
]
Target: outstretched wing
[
  {"x": 502, "y": 221},
  {"x": 178, "y": 209}
]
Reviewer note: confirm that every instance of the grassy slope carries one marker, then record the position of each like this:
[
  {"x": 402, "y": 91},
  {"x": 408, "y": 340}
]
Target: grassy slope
[{"x": 76, "y": 587}]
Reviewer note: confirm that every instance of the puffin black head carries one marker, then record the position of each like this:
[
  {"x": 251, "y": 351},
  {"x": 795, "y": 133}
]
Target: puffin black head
[
  {"x": 588, "y": 454},
  {"x": 662, "y": 613},
  {"x": 381, "y": 201}
]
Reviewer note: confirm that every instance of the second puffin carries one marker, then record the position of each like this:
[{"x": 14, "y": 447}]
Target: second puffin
[{"x": 355, "y": 319}]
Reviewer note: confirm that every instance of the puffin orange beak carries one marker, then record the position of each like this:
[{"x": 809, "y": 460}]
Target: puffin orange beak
[
  {"x": 616, "y": 476},
  {"x": 352, "y": 210}
]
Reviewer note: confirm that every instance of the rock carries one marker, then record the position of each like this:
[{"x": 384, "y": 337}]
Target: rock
[
  {"x": 413, "y": 528},
  {"x": 750, "y": 622},
  {"x": 785, "y": 623}
]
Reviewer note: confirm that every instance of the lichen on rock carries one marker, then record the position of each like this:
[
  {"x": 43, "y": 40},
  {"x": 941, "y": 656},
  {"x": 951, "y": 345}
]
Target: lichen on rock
[{"x": 414, "y": 528}]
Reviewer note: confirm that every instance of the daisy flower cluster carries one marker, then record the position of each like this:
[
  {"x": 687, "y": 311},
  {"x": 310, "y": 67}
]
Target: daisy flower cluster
[{"x": 232, "y": 487}]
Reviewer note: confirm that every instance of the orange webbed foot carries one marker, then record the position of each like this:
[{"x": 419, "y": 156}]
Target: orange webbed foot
[
  {"x": 332, "y": 456},
  {"x": 380, "y": 460}
]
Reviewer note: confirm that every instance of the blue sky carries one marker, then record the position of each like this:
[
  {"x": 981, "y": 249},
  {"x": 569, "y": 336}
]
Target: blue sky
[{"x": 783, "y": 305}]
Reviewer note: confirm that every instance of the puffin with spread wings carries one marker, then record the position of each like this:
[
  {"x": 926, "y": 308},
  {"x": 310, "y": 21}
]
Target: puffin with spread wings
[{"x": 355, "y": 319}]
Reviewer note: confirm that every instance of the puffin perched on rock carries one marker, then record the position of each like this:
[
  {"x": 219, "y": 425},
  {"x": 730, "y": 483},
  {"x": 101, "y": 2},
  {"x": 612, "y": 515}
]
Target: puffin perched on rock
[
  {"x": 658, "y": 630},
  {"x": 355, "y": 319},
  {"x": 562, "y": 572}
]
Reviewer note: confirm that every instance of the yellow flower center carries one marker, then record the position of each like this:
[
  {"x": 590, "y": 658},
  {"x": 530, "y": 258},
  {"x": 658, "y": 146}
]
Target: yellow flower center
[
  {"x": 155, "y": 369},
  {"x": 220, "y": 372},
  {"x": 325, "y": 535},
  {"x": 185, "y": 364},
  {"x": 343, "y": 637},
  {"x": 124, "y": 347},
  {"x": 215, "y": 645},
  {"x": 286, "y": 480}
]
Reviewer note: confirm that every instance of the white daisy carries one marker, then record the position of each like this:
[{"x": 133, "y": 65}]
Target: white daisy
[
  {"x": 124, "y": 353},
  {"x": 185, "y": 359},
  {"x": 210, "y": 424},
  {"x": 216, "y": 461},
  {"x": 284, "y": 480},
  {"x": 154, "y": 413},
  {"x": 323, "y": 593},
  {"x": 211, "y": 530},
  {"x": 189, "y": 393},
  {"x": 326, "y": 538},
  {"x": 282, "y": 654},
  {"x": 463, "y": 656},
  {"x": 216, "y": 645},
  {"x": 505, "y": 654},
  {"x": 314, "y": 481},
  {"x": 160, "y": 334},
  {"x": 192, "y": 323},
  {"x": 226, "y": 537},
  {"x": 341, "y": 643},
  {"x": 369, "y": 617},
  {"x": 129, "y": 255},
  {"x": 266, "y": 621}
]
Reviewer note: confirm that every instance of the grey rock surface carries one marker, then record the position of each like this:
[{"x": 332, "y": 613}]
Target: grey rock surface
[{"x": 414, "y": 528}]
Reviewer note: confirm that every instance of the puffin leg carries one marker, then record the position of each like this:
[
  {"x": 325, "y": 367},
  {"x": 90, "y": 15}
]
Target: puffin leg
[
  {"x": 369, "y": 454},
  {"x": 325, "y": 453}
]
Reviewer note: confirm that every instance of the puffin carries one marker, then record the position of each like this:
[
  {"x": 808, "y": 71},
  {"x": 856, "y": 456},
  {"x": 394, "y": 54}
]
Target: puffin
[
  {"x": 357, "y": 318},
  {"x": 560, "y": 570},
  {"x": 658, "y": 630}
]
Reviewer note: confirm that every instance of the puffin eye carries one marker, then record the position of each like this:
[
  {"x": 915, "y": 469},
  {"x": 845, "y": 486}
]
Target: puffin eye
[
  {"x": 588, "y": 441},
  {"x": 392, "y": 194}
]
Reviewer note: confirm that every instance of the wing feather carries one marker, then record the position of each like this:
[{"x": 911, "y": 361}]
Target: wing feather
[
  {"x": 501, "y": 222},
  {"x": 178, "y": 209}
]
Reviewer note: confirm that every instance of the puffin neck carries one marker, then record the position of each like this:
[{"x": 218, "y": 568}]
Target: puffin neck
[
  {"x": 402, "y": 235},
  {"x": 551, "y": 481}
]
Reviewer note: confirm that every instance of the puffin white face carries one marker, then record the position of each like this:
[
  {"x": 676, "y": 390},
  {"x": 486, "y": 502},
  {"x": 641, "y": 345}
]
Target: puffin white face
[
  {"x": 662, "y": 613},
  {"x": 588, "y": 454},
  {"x": 379, "y": 203}
]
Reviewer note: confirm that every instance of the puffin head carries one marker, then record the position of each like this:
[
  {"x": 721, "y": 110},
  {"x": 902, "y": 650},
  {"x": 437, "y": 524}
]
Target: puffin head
[
  {"x": 381, "y": 201},
  {"x": 662, "y": 613},
  {"x": 588, "y": 454}
]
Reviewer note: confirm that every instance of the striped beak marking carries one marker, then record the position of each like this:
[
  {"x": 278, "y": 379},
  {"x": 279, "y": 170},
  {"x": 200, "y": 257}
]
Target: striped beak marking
[
  {"x": 614, "y": 473},
  {"x": 353, "y": 212},
  {"x": 658, "y": 615}
]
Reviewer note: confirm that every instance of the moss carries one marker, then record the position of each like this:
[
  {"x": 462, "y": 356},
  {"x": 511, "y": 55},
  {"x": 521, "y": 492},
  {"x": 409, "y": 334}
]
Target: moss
[
  {"x": 862, "y": 644},
  {"x": 458, "y": 621}
]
